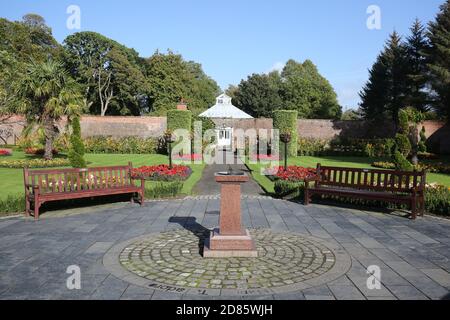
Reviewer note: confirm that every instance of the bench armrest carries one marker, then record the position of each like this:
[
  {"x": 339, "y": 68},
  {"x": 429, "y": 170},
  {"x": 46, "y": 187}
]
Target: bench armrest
[
  {"x": 312, "y": 179},
  {"x": 418, "y": 189}
]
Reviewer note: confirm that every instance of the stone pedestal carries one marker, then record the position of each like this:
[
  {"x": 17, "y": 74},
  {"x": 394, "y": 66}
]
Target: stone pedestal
[{"x": 230, "y": 239}]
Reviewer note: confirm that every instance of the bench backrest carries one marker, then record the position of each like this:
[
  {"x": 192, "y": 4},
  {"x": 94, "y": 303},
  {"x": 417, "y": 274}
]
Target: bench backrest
[
  {"x": 73, "y": 180},
  {"x": 369, "y": 179}
]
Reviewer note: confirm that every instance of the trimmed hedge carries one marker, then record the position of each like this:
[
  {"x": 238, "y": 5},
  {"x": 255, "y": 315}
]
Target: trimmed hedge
[
  {"x": 179, "y": 119},
  {"x": 286, "y": 122},
  {"x": 35, "y": 163},
  {"x": 127, "y": 145}
]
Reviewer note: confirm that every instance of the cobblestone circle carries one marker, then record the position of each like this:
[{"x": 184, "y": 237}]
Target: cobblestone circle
[{"x": 174, "y": 258}]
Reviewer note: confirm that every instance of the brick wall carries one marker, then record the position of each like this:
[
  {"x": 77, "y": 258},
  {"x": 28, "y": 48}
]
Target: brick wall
[{"x": 437, "y": 132}]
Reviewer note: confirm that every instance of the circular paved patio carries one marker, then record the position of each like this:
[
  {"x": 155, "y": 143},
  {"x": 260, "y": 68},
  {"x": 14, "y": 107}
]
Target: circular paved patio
[
  {"x": 413, "y": 256},
  {"x": 286, "y": 262}
]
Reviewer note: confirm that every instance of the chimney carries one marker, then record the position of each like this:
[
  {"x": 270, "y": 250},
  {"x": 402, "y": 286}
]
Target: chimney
[{"x": 182, "y": 105}]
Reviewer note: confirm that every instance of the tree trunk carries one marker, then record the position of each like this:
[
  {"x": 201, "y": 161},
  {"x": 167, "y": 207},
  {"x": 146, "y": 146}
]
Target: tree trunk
[{"x": 49, "y": 131}]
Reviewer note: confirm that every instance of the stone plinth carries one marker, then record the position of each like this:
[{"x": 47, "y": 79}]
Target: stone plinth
[{"x": 230, "y": 239}]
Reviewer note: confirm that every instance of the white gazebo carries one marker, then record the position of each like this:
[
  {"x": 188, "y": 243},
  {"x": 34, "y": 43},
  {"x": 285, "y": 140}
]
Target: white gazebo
[{"x": 224, "y": 109}]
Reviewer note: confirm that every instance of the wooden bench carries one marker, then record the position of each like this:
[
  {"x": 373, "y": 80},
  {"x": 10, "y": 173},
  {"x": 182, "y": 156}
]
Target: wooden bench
[
  {"x": 384, "y": 185},
  {"x": 61, "y": 184}
]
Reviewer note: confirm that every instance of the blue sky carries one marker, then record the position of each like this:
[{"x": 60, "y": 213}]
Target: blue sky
[{"x": 233, "y": 39}]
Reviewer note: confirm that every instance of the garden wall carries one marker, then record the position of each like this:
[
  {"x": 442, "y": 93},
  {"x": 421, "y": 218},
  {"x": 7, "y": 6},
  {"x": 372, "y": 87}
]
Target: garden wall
[{"x": 437, "y": 132}]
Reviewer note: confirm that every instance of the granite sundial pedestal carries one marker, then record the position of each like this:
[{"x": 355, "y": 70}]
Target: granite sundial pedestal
[{"x": 230, "y": 239}]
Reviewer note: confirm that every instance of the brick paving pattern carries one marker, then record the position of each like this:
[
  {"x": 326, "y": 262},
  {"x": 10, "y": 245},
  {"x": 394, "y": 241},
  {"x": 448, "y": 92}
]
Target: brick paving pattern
[
  {"x": 174, "y": 258},
  {"x": 414, "y": 256}
]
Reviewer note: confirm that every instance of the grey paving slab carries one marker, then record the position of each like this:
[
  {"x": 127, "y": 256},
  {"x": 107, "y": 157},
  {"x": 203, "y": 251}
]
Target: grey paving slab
[{"x": 414, "y": 256}]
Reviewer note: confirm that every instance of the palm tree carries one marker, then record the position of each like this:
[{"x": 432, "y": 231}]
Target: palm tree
[{"x": 43, "y": 95}]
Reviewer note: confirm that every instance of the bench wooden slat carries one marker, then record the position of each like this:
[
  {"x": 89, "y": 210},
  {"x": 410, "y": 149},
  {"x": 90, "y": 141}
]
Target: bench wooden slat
[
  {"x": 59, "y": 184},
  {"x": 385, "y": 185}
]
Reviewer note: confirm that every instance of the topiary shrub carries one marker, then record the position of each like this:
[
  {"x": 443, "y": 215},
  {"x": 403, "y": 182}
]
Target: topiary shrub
[
  {"x": 286, "y": 122},
  {"x": 179, "y": 119},
  {"x": 402, "y": 144},
  {"x": 401, "y": 163},
  {"x": 76, "y": 152},
  {"x": 423, "y": 140}
]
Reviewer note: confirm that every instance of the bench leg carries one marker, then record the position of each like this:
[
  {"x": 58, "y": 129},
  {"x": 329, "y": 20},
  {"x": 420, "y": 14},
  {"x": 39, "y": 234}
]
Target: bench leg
[
  {"x": 36, "y": 210},
  {"x": 422, "y": 206},
  {"x": 414, "y": 208},
  {"x": 132, "y": 198},
  {"x": 27, "y": 207},
  {"x": 307, "y": 198},
  {"x": 142, "y": 198}
]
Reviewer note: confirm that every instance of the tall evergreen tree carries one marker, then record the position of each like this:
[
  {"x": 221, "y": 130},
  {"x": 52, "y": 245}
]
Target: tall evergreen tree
[
  {"x": 417, "y": 77},
  {"x": 385, "y": 92},
  {"x": 439, "y": 60}
]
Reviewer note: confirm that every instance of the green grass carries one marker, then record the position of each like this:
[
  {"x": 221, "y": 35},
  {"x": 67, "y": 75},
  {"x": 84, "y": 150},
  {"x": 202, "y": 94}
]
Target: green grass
[
  {"x": 11, "y": 180},
  {"x": 353, "y": 162}
]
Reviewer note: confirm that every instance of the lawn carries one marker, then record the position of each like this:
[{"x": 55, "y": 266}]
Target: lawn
[
  {"x": 11, "y": 180},
  {"x": 354, "y": 162}
]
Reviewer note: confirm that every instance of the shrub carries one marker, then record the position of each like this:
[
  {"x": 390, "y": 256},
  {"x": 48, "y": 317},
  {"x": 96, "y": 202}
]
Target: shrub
[
  {"x": 285, "y": 188},
  {"x": 126, "y": 145},
  {"x": 435, "y": 167},
  {"x": 427, "y": 156},
  {"x": 311, "y": 147},
  {"x": 76, "y": 152},
  {"x": 423, "y": 140},
  {"x": 401, "y": 163},
  {"x": 34, "y": 163},
  {"x": 179, "y": 119},
  {"x": 286, "y": 122},
  {"x": 12, "y": 204},
  {"x": 384, "y": 165},
  {"x": 403, "y": 145},
  {"x": 437, "y": 200},
  {"x": 164, "y": 190}
]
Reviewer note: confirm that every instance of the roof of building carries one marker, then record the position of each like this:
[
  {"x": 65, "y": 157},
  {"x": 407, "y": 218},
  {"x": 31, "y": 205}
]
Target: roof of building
[{"x": 225, "y": 109}]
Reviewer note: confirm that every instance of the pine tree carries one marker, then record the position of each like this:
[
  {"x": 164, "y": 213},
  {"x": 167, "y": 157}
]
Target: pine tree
[
  {"x": 384, "y": 94},
  {"x": 373, "y": 95},
  {"x": 417, "y": 77},
  {"x": 439, "y": 60},
  {"x": 76, "y": 152}
]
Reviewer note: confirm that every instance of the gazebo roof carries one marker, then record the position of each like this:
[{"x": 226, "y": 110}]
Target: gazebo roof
[{"x": 225, "y": 109}]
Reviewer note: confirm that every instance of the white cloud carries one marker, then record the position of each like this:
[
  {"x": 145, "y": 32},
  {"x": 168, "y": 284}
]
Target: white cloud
[{"x": 278, "y": 66}]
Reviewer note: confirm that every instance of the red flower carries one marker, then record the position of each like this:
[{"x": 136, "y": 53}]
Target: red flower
[
  {"x": 162, "y": 172},
  {"x": 5, "y": 152},
  {"x": 294, "y": 173}
]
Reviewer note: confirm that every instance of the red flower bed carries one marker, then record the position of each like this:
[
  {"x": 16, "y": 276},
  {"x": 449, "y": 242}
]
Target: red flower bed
[
  {"x": 293, "y": 173},
  {"x": 5, "y": 153},
  {"x": 162, "y": 172},
  {"x": 38, "y": 152},
  {"x": 188, "y": 157}
]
